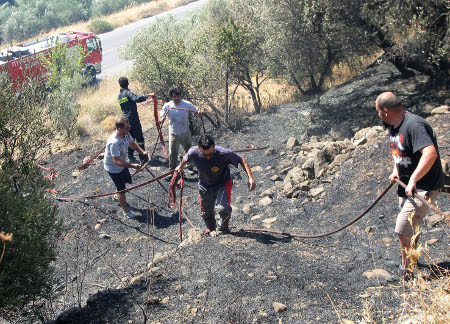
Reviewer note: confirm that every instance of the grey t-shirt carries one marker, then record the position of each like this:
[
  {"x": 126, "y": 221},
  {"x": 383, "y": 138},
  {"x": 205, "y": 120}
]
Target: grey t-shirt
[
  {"x": 178, "y": 119},
  {"x": 116, "y": 146}
]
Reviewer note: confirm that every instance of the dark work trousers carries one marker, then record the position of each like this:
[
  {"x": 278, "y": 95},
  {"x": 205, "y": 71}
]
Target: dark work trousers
[
  {"x": 136, "y": 133},
  {"x": 216, "y": 200}
]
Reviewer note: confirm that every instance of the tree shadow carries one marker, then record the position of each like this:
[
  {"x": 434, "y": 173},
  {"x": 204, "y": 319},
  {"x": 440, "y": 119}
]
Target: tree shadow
[{"x": 262, "y": 237}]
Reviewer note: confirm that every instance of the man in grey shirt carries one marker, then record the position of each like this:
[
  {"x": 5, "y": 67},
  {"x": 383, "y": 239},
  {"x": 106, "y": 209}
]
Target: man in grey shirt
[
  {"x": 179, "y": 132},
  {"x": 115, "y": 162}
]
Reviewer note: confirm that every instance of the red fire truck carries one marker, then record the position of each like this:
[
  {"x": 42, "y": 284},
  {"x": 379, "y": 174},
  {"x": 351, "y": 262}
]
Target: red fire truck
[{"x": 24, "y": 59}]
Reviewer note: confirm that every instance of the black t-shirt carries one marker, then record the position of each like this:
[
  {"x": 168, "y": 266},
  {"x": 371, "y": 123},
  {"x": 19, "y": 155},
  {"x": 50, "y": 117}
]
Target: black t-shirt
[{"x": 406, "y": 141}]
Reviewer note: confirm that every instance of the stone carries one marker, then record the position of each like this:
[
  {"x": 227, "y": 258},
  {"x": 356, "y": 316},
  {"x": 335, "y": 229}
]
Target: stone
[
  {"x": 339, "y": 160},
  {"x": 267, "y": 193},
  {"x": 153, "y": 301},
  {"x": 346, "y": 321},
  {"x": 360, "y": 142},
  {"x": 101, "y": 156},
  {"x": 256, "y": 217},
  {"x": 386, "y": 240},
  {"x": 279, "y": 307},
  {"x": 269, "y": 151},
  {"x": 377, "y": 274},
  {"x": 270, "y": 220},
  {"x": 433, "y": 220},
  {"x": 285, "y": 164},
  {"x": 137, "y": 279},
  {"x": 265, "y": 201},
  {"x": 194, "y": 235},
  {"x": 247, "y": 210},
  {"x": 97, "y": 226},
  {"x": 238, "y": 199},
  {"x": 75, "y": 173},
  {"x": 275, "y": 177},
  {"x": 341, "y": 131},
  {"x": 292, "y": 142},
  {"x": 104, "y": 235},
  {"x": 316, "y": 191},
  {"x": 299, "y": 160},
  {"x": 440, "y": 110},
  {"x": 165, "y": 300},
  {"x": 432, "y": 241},
  {"x": 257, "y": 168},
  {"x": 309, "y": 165}
]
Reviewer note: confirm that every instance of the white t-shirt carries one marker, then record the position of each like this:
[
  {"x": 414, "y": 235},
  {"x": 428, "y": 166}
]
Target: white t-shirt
[
  {"x": 116, "y": 146},
  {"x": 178, "y": 119}
]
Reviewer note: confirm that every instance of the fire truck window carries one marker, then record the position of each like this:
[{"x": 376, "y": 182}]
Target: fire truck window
[{"x": 91, "y": 44}]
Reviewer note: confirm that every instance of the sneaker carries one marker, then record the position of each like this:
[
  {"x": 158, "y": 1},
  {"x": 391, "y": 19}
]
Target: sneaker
[{"x": 129, "y": 214}]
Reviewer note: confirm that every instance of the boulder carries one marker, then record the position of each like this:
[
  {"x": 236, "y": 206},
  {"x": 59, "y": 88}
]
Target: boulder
[
  {"x": 441, "y": 110},
  {"x": 269, "y": 151},
  {"x": 341, "y": 131},
  {"x": 291, "y": 143}
]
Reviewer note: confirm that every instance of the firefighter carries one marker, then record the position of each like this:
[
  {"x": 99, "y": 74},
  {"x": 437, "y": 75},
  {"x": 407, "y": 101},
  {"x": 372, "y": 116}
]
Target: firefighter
[{"x": 127, "y": 101}]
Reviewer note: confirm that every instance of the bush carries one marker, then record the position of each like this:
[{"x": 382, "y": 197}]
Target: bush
[
  {"x": 99, "y": 26},
  {"x": 27, "y": 212}
]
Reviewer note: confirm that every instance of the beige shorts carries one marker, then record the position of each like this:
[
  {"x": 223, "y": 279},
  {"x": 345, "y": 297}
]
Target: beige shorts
[{"x": 407, "y": 206}]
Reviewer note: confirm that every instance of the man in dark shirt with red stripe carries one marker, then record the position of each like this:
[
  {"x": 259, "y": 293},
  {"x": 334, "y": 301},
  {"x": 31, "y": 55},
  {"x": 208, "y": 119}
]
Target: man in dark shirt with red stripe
[
  {"x": 417, "y": 163},
  {"x": 215, "y": 183}
]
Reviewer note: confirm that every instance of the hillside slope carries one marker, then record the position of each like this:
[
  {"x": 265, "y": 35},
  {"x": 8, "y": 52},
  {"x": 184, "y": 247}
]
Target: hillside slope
[{"x": 103, "y": 259}]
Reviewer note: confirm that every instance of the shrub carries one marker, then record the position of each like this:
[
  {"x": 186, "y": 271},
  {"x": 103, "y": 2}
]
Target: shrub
[
  {"x": 100, "y": 26},
  {"x": 27, "y": 212}
]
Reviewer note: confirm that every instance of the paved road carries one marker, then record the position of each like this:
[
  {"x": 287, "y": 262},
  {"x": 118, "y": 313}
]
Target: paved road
[{"x": 114, "y": 40}]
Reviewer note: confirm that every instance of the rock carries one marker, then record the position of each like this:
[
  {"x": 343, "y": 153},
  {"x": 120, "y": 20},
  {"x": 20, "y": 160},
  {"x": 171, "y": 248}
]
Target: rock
[
  {"x": 440, "y": 110},
  {"x": 275, "y": 177},
  {"x": 101, "y": 221},
  {"x": 257, "y": 168},
  {"x": 265, "y": 201},
  {"x": 346, "y": 321},
  {"x": 75, "y": 173},
  {"x": 270, "y": 220},
  {"x": 433, "y": 220},
  {"x": 294, "y": 180},
  {"x": 339, "y": 160},
  {"x": 101, "y": 156},
  {"x": 104, "y": 235},
  {"x": 299, "y": 160},
  {"x": 194, "y": 235},
  {"x": 292, "y": 142},
  {"x": 279, "y": 307},
  {"x": 256, "y": 217},
  {"x": 153, "y": 301},
  {"x": 97, "y": 226},
  {"x": 386, "y": 240},
  {"x": 269, "y": 151},
  {"x": 316, "y": 191},
  {"x": 360, "y": 142},
  {"x": 267, "y": 193},
  {"x": 320, "y": 163},
  {"x": 137, "y": 279},
  {"x": 313, "y": 139},
  {"x": 86, "y": 159},
  {"x": 377, "y": 274},
  {"x": 247, "y": 210},
  {"x": 238, "y": 199},
  {"x": 309, "y": 165},
  {"x": 341, "y": 131},
  {"x": 165, "y": 300},
  {"x": 330, "y": 151},
  {"x": 368, "y": 229},
  {"x": 432, "y": 241},
  {"x": 284, "y": 164}
]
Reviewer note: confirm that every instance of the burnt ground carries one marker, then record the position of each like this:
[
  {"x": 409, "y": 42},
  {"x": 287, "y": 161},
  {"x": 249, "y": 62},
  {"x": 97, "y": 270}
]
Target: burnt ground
[{"x": 236, "y": 278}]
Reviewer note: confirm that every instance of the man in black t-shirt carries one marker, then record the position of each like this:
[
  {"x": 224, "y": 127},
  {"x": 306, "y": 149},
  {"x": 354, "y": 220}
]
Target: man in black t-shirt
[{"x": 417, "y": 163}]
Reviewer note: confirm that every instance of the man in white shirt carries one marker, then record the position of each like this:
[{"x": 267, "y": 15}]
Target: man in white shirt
[
  {"x": 179, "y": 132},
  {"x": 115, "y": 162}
]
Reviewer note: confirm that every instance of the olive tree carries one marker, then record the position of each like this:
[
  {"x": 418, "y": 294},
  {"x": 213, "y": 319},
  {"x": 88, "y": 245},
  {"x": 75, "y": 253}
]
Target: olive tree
[{"x": 27, "y": 211}]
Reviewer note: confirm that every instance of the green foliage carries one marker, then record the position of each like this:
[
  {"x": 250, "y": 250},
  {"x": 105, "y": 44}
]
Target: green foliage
[
  {"x": 64, "y": 79},
  {"x": 27, "y": 212},
  {"x": 100, "y": 26}
]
